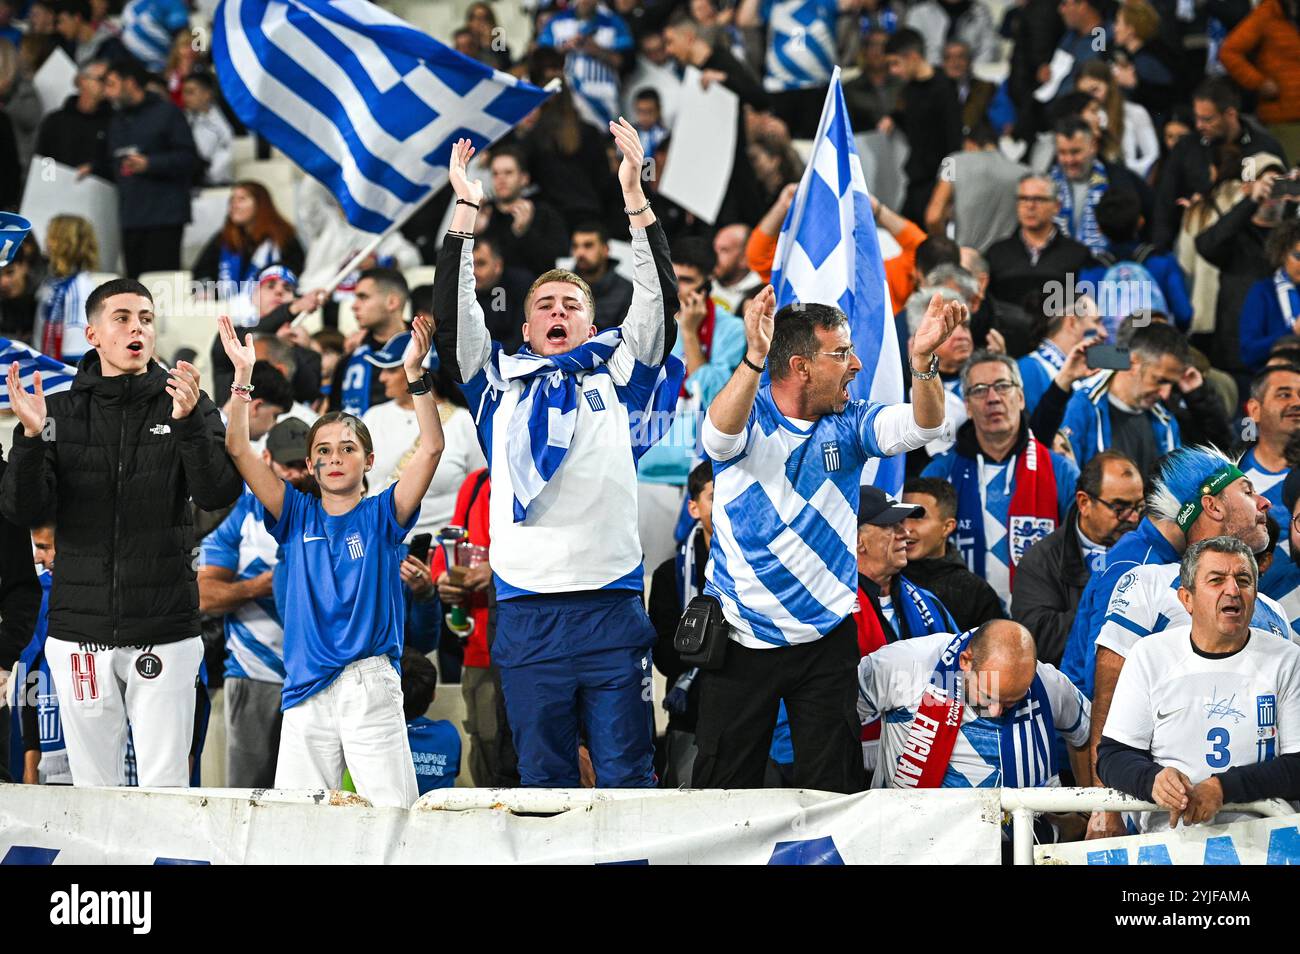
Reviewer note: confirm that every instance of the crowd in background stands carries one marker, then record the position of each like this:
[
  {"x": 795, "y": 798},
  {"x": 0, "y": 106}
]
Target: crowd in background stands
[{"x": 1146, "y": 145}]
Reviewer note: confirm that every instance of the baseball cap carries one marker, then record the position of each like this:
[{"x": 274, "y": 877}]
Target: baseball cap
[
  {"x": 878, "y": 509},
  {"x": 390, "y": 355},
  {"x": 287, "y": 441},
  {"x": 280, "y": 272},
  {"x": 13, "y": 230}
]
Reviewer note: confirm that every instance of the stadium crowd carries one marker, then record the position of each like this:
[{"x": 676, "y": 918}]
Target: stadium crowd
[{"x": 1093, "y": 255}]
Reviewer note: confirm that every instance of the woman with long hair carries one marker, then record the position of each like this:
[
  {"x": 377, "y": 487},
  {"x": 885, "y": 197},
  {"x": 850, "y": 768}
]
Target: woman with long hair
[
  {"x": 254, "y": 236},
  {"x": 181, "y": 62},
  {"x": 73, "y": 252},
  {"x": 1130, "y": 134}
]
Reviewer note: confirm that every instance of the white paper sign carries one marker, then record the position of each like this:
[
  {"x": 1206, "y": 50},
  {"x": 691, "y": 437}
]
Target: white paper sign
[
  {"x": 207, "y": 214},
  {"x": 54, "y": 189},
  {"x": 55, "y": 81},
  {"x": 702, "y": 148},
  {"x": 883, "y": 156},
  {"x": 1059, "y": 69}
]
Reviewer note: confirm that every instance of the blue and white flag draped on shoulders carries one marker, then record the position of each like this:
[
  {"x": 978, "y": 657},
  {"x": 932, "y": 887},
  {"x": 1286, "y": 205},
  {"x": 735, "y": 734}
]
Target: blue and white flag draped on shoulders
[
  {"x": 361, "y": 100},
  {"x": 55, "y": 375},
  {"x": 828, "y": 253}
]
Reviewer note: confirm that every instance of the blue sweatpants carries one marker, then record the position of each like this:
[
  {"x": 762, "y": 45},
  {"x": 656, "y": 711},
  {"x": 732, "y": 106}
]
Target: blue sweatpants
[{"x": 553, "y": 690}]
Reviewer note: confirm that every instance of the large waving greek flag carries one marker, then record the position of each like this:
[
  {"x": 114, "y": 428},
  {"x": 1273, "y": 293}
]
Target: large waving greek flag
[
  {"x": 363, "y": 101},
  {"x": 55, "y": 376},
  {"x": 828, "y": 253}
]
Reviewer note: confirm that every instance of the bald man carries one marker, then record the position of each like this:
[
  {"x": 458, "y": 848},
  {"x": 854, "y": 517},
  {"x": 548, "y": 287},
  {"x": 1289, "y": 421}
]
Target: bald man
[
  {"x": 732, "y": 279},
  {"x": 976, "y": 710}
]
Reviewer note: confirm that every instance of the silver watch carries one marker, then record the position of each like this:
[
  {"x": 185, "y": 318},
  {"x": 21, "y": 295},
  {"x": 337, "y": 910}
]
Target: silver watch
[{"x": 926, "y": 375}]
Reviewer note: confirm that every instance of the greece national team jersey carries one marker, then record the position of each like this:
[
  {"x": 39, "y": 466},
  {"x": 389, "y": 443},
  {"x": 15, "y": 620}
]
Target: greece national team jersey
[
  {"x": 1268, "y": 484},
  {"x": 594, "y": 82},
  {"x": 1015, "y": 750},
  {"x": 785, "y": 522},
  {"x": 1203, "y": 714},
  {"x": 1145, "y": 601},
  {"x": 800, "y": 43},
  {"x": 254, "y": 633},
  {"x": 343, "y": 590}
]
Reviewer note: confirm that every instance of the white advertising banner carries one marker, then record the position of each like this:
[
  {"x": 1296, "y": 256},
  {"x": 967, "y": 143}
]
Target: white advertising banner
[
  {"x": 1264, "y": 841},
  {"x": 55, "y": 825}
]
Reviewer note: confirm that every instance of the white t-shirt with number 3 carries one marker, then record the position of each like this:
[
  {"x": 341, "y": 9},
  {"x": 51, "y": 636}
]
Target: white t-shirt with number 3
[{"x": 1203, "y": 714}]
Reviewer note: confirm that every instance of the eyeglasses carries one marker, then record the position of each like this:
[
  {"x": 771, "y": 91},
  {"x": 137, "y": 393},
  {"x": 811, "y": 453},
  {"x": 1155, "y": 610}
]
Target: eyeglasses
[
  {"x": 1034, "y": 199},
  {"x": 840, "y": 356},
  {"x": 1001, "y": 388},
  {"x": 1122, "y": 508}
]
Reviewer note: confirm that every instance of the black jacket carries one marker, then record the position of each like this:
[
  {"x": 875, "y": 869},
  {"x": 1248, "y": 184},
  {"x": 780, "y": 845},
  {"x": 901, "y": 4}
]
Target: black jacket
[
  {"x": 1049, "y": 584},
  {"x": 159, "y": 196},
  {"x": 1187, "y": 172},
  {"x": 75, "y": 138},
  {"x": 970, "y": 600},
  {"x": 20, "y": 591},
  {"x": 1236, "y": 246},
  {"x": 546, "y": 239},
  {"x": 117, "y": 476},
  {"x": 1013, "y": 275},
  {"x": 665, "y": 608}
]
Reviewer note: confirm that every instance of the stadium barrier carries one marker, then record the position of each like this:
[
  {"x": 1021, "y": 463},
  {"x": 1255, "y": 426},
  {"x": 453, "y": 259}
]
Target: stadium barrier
[{"x": 60, "y": 825}]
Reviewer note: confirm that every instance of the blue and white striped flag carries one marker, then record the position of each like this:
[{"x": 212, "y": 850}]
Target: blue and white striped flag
[
  {"x": 361, "y": 100},
  {"x": 55, "y": 376},
  {"x": 828, "y": 253}
]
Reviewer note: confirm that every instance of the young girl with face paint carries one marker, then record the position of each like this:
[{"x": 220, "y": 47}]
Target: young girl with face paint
[{"x": 342, "y": 600}]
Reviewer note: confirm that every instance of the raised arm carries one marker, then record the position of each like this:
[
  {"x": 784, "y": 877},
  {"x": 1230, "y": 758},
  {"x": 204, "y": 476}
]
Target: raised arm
[
  {"x": 650, "y": 328},
  {"x": 729, "y": 412},
  {"x": 261, "y": 480},
  {"x": 417, "y": 474},
  {"x": 463, "y": 341},
  {"x": 940, "y": 321}
]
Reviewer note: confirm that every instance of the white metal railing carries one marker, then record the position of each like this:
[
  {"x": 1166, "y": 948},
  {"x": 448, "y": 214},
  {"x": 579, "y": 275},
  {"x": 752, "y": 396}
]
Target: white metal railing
[{"x": 1023, "y": 803}]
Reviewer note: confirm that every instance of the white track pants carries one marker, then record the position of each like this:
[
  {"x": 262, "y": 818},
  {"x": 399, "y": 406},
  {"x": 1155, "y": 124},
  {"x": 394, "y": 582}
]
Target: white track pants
[
  {"x": 101, "y": 689},
  {"x": 357, "y": 723}
]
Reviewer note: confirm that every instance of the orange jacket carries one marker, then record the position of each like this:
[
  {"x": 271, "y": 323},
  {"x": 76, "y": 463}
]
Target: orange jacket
[
  {"x": 761, "y": 252},
  {"x": 1266, "y": 45}
]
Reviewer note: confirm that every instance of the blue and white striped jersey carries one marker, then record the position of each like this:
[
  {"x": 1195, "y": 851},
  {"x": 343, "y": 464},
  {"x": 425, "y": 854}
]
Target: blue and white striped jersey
[
  {"x": 254, "y": 632},
  {"x": 1145, "y": 601},
  {"x": 800, "y": 43},
  {"x": 785, "y": 501},
  {"x": 594, "y": 82},
  {"x": 148, "y": 27}
]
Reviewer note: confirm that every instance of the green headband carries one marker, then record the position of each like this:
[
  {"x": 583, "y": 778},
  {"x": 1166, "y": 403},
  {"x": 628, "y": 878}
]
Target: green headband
[{"x": 1211, "y": 486}]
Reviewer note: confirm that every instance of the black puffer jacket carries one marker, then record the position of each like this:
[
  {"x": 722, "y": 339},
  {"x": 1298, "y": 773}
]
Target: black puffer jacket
[{"x": 117, "y": 476}]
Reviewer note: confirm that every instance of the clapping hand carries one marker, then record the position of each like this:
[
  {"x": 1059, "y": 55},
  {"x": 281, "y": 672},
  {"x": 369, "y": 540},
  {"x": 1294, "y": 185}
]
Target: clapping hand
[
  {"x": 183, "y": 386},
  {"x": 30, "y": 408}
]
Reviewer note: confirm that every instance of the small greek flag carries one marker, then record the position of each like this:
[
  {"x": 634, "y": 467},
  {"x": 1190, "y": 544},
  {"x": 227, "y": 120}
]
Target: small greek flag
[
  {"x": 363, "y": 101},
  {"x": 828, "y": 253},
  {"x": 55, "y": 375}
]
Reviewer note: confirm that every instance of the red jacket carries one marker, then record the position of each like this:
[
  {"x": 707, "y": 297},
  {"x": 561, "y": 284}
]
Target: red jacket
[{"x": 472, "y": 513}]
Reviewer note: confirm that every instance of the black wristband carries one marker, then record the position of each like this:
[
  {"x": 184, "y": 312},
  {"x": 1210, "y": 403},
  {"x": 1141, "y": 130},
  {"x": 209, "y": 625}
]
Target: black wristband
[
  {"x": 466, "y": 202},
  {"x": 423, "y": 386},
  {"x": 751, "y": 364}
]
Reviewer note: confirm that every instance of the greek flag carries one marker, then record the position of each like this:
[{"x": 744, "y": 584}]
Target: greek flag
[
  {"x": 828, "y": 253},
  {"x": 361, "y": 100},
  {"x": 55, "y": 376}
]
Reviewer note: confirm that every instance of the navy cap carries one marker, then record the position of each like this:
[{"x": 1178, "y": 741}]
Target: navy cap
[{"x": 878, "y": 509}]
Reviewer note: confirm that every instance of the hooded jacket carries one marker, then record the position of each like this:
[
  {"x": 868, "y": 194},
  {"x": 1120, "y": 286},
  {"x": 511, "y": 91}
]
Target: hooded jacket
[{"x": 116, "y": 472}]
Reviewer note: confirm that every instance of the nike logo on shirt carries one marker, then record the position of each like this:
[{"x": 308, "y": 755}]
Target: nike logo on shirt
[
  {"x": 1161, "y": 716},
  {"x": 307, "y": 539}
]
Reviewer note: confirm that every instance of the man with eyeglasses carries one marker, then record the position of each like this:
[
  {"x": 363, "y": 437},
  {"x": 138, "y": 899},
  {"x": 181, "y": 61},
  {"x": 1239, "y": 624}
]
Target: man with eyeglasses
[
  {"x": 1038, "y": 255},
  {"x": 787, "y": 463},
  {"x": 1011, "y": 489},
  {"x": 1199, "y": 493},
  {"x": 1052, "y": 576}
]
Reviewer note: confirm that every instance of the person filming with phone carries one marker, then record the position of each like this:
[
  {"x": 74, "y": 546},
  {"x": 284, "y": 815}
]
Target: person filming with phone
[{"x": 1123, "y": 410}]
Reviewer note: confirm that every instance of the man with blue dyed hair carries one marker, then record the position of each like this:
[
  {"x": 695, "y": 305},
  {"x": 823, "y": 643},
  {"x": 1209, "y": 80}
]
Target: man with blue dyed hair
[
  {"x": 1199, "y": 493},
  {"x": 788, "y": 460}
]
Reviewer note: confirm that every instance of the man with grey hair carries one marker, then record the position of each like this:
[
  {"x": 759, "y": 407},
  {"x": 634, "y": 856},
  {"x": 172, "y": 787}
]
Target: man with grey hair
[
  {"x": 1208, "y": 711},
  {"x": 1124, "y": 410},
  {"x": 1037, "y": 254},
  {"x": 1012, "y": 490},
  {"x": 1199, "y": 494}
]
